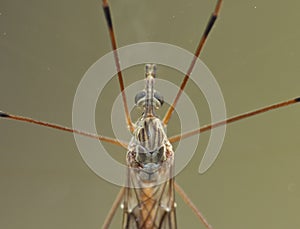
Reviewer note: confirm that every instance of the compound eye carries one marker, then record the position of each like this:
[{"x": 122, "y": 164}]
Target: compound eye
[
  {"x": 159, "y": 98},
  {"x": 140, "y": 98}
]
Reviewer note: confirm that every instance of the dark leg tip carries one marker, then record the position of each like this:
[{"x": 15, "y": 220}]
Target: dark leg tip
[
  {"x": 107, "y": 16},
  {"x": 3, "y": 115},
  {"x": 297, "y": 99}
]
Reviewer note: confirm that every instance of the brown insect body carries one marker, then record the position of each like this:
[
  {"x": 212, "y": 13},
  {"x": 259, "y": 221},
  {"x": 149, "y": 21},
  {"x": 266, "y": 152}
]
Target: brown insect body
[{"x": 149, "y": 197}]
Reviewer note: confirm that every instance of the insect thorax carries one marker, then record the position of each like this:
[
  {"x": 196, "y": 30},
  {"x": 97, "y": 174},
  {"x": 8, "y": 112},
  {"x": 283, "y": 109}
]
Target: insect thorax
[{"x": 149, "y": 151}]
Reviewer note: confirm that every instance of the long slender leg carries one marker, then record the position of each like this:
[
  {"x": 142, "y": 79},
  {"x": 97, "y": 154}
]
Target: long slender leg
[
  {"x": 63, "y": 128},
  {"x": 114, "y": 208},
  {"x": 116, "y": 56},
  {"x": 171, "y": 139},
  {"x": 208, "y": 28},
  {"x": 188, "y": 201},
  {"x": 234, "y": 119}
]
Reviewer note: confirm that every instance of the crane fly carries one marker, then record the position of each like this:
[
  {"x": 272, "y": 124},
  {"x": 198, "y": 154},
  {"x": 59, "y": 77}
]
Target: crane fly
[{"x": 151, "y": 202}]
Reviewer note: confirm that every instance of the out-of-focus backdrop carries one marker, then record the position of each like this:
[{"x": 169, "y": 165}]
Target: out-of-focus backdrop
[{"x": 253, "y": 51}]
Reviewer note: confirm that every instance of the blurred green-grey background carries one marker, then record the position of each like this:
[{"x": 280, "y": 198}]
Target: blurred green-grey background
[{"x": 254, "y": 52}]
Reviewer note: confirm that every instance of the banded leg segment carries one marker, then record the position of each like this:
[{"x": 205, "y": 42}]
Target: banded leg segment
[
  {"x": 63, "y": 128},
  {"x": 207, "y": 30},
  {"x": 234, "y": 119},
  {"x": 117, "y": 62}
]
